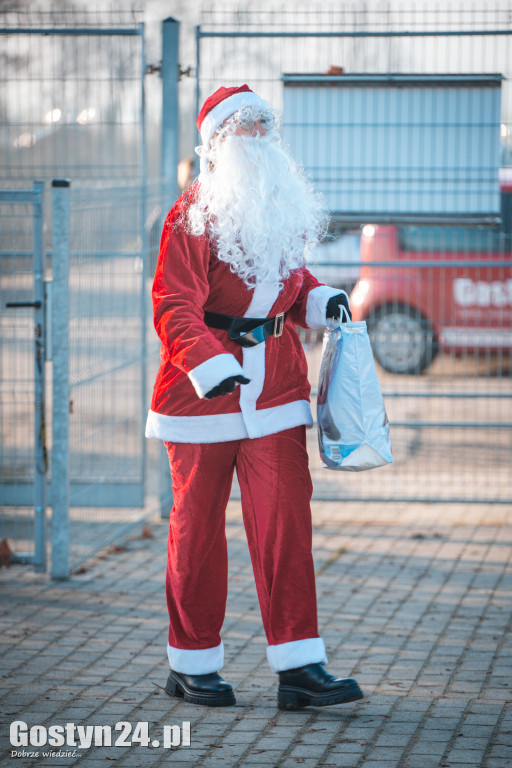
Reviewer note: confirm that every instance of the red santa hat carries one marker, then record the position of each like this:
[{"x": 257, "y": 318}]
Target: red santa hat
[{"x": 221, "y": 105}]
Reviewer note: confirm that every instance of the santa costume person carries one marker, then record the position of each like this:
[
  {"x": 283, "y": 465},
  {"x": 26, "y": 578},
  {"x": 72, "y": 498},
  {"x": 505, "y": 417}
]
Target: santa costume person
[{"x": 232, "y": 392}]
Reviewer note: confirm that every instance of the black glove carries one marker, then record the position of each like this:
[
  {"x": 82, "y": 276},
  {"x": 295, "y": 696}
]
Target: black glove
[
  {"x": 226, "y": 387},
  {"x": 333, "y": 308}
]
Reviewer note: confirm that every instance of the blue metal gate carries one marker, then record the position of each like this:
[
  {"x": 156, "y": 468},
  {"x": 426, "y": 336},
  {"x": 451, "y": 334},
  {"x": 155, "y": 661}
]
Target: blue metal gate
[
  {"x": 24, "y": 461},
  {"x": 77, "y": 110}
]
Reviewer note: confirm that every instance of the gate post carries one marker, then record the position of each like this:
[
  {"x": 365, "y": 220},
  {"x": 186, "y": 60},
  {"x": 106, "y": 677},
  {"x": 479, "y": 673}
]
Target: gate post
[
  {"x": 40, "y": 456},
  {"x": 60, "y": 334},
  {"x": 170, "y": 110},
  {"x": 169, "y": 162}
]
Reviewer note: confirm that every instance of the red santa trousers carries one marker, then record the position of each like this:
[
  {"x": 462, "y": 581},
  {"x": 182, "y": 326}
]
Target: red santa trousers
[{"x": 276, "y": 492}]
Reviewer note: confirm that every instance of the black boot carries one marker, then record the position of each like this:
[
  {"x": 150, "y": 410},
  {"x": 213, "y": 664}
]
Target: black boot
[
  {"x": 210, "y": 690},
  {"x": 312, "y": 685}
]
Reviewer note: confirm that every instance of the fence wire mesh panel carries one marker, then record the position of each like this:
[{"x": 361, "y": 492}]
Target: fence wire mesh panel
[
  {"x": 402, "y": 120},
  {"x": 107, "y": 364},
  {"x": 23, "y": 439},
  {"x": 444, "y": 362},
  {"x": 71, "y": 101},
  {"x": 72, "y": 105}
]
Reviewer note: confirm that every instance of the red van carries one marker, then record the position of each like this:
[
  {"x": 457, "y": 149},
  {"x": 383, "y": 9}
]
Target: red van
[{"x": 425, "y": 288}]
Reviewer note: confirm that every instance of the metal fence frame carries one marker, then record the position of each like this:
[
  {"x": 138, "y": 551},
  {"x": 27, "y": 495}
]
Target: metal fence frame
[
  {"x": 252, "y": 28},
  {"x": 54, "y": 299},
  {"x": 60, "y": 492},
  {"x": 60, "y": 357},
  {"x": 39, "y": 304},
  {"x": 64, "y": 30}
]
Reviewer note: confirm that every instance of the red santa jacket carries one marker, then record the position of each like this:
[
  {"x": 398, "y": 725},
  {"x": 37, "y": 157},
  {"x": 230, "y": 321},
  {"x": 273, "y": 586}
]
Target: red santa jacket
[{"x": 194, "y": 358}]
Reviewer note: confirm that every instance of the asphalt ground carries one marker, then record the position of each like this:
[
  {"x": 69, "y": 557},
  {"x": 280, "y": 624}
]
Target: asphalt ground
[{"x": 414, "y": 601}]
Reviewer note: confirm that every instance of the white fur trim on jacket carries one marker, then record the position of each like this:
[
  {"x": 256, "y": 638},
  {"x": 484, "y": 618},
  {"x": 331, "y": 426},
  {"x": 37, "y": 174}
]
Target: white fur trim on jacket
[
  {"x": 264, "y": 295},
  {"x": 206, "y": 376},
  {"x": 316, "y": 306},
  {"x": 295, "y": 654},
  {"x": 201, "y": 662},
  {"x": 223, "y": 427},
  {"x": 268, "y": 421},
  {"x": 225, "y": 109}
]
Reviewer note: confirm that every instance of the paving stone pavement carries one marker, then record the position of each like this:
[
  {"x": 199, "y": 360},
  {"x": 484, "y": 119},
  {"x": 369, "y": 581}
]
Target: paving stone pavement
[{"x": 414, "y": 601}]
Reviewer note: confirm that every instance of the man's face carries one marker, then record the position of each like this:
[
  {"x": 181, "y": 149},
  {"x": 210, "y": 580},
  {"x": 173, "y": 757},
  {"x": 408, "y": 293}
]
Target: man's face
[
  {"x": 250, "y": 130},
  {"x": 247, "y": 124}
]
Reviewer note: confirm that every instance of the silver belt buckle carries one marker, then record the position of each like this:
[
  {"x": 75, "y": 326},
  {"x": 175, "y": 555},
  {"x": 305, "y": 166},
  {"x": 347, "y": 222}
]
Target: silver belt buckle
[{"x": 278, "y": 325}]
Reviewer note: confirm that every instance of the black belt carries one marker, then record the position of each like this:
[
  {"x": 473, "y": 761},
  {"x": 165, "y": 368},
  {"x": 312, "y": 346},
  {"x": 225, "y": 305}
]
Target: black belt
[{"x": 247, "y": 331}]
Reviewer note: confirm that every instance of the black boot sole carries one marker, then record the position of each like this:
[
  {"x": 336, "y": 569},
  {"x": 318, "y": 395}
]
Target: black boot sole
[
  {"x": 289, "y": 697},
  {"x": 176, "y": 687}
]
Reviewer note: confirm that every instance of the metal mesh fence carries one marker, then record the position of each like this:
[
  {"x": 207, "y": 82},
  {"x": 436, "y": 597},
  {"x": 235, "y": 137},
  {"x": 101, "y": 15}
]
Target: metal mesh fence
[
  {"x": 449, "y": 404},
  {"x": 106, "y": 322},
  {"x": 72, "y": 106},
  {"x": 430, "y": 271},
  {"x": 111, "y": 363},
  {"x": 71, "y": 101},
  {"x": 437, "y": 296},
  {"x": 108, "y": 317},
  {"x": 263, "y": 46},
  {"x": 17, "y": 380},
  {"x": 17, "y": 377}
]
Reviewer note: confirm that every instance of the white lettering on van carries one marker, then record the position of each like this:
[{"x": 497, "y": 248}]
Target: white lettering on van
[{"x": 468, "y": 292}]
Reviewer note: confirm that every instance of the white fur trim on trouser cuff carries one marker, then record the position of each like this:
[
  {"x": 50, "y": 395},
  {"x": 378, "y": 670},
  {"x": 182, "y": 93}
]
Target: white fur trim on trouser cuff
[
  {"x": 295, "y": 654},
  {"x": 316, "y": 306},
  {"x": 201, "y": 662},
  {"x": 206, "y": 376}
]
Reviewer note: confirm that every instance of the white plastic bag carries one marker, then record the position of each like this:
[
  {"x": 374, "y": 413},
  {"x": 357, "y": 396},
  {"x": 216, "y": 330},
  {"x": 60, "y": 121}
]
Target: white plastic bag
[{"x": 353, "y": 428}]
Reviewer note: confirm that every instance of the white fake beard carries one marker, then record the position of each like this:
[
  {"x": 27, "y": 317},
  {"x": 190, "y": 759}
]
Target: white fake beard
[{"x": 257, "y": 208}]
